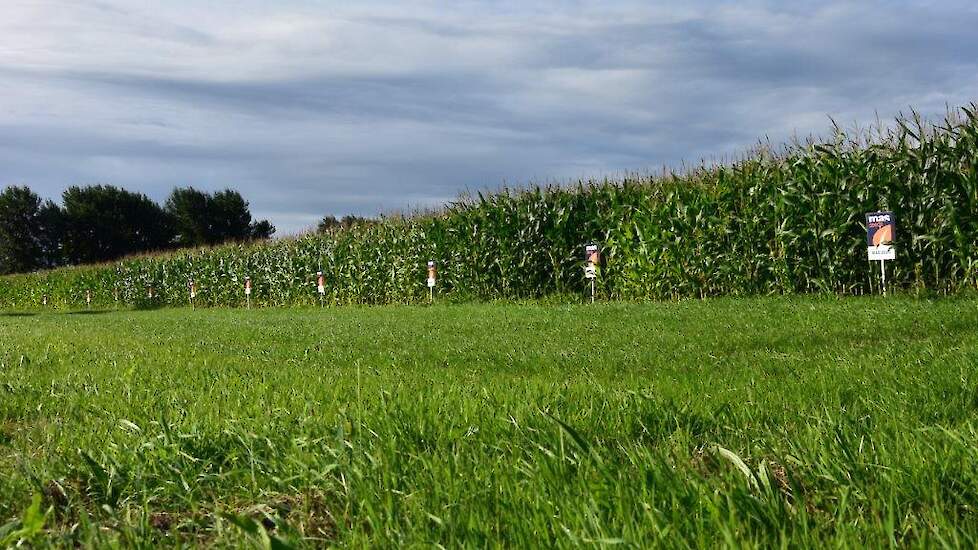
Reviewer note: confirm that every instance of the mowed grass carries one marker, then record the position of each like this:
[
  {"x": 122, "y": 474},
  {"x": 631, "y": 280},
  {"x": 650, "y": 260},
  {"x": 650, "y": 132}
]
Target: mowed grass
[{"x": 766, "y": 421}]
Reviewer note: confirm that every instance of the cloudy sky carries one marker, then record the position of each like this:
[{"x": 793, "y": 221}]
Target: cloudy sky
[{"x": 313, "y": 107}]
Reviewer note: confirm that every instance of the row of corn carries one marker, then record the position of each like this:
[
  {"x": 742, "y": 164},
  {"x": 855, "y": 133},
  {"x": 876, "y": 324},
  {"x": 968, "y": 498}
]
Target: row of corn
[{"x": 782, "y": 221}]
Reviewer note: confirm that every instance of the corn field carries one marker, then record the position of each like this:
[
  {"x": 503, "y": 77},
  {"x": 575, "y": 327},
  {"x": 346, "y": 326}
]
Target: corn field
[{"x": 790, "y": 221}]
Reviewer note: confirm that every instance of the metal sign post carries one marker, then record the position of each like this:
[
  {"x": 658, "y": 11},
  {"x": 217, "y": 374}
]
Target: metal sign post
[
  {"x": 432, "y": 274},
  {"x": 880, "y": 233},
  {"x": 592, "y": 254},
  {"x": 248, "y": 291},
  {"x": 883, "y": 275}
]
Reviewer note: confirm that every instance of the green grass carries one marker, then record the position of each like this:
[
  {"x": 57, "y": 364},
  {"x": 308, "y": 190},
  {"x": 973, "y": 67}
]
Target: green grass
[{"x": 766, "y": 421}]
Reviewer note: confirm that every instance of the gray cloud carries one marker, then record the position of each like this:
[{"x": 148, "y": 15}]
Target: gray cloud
[{"x": 312, "y": 108}]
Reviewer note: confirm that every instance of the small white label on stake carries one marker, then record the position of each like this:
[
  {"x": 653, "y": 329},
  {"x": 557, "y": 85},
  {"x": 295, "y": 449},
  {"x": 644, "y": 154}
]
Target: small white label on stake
[
  {"x": 881, "y": 252},
  {"x": 431, "y": 282},
  {"x": 590, "y": 271}
]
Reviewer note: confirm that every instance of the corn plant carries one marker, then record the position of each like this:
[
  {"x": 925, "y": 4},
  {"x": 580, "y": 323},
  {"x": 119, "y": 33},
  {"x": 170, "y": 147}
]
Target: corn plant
[{"x": 784, "y": 221}]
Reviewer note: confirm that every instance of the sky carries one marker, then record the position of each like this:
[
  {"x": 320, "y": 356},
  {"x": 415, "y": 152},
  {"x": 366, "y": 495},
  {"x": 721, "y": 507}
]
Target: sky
[{"x": 311, "y": 108}]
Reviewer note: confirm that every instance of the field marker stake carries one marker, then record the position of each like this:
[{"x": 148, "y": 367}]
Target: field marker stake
[
  {"x": 321, "y": 287},
  {"x": 248, "y": 291},
  {"x": 432, "y": 275},
  {"x": 592, "y": 254}
]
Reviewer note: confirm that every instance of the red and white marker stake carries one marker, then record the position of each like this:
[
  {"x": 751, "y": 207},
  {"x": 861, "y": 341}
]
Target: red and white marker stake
[
  {"x": 321, "y": 287},
  {"x": 248, "y": 291},
  {"x": 432, "y": 275}
]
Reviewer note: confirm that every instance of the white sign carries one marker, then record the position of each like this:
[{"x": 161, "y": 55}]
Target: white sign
[
  {"x": 590, "y": 271},
  {"x": 881, "y": 252},
  {"x": 431, "y": 282}
]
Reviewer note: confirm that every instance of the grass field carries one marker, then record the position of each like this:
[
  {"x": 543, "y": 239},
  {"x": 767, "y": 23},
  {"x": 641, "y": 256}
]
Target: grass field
[{"x": 817, "y": 421}]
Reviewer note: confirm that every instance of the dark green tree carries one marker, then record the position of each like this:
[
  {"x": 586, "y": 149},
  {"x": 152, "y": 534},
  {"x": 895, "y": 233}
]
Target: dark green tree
[
  {"x": 102, "y": 222},
  {"x": 52, "y": 234},
  {"x": 188, "y": 210},
  {"x": 21, "y": 227},
  {"x": 231, "y": 218},
  {"x": 201, "y": 218},
  {"x": 262, "y": 230},
  {"x": 330, "y": 223}
]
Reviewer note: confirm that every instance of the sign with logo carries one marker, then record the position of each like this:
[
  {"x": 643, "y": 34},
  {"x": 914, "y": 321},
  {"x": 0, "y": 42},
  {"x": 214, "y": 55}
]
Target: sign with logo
[
  {"x": 247, "y": 286},
  {"x": 320, "y": 283},
  {"x": 880, "y": 232},
  {"x": 432, "y": 274},
  {"x": 592, "y": 254}
]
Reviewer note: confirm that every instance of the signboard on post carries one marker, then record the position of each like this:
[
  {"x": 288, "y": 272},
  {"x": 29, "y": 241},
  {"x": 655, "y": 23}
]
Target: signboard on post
[
  {"x": 592, "y": 254},
  {"x": 880, "y": 232},
  {"x": 248, "y": 291}
]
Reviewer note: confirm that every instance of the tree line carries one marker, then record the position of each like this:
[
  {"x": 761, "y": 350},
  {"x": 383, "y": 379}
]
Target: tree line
[{"x": 99, "y": 223}]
